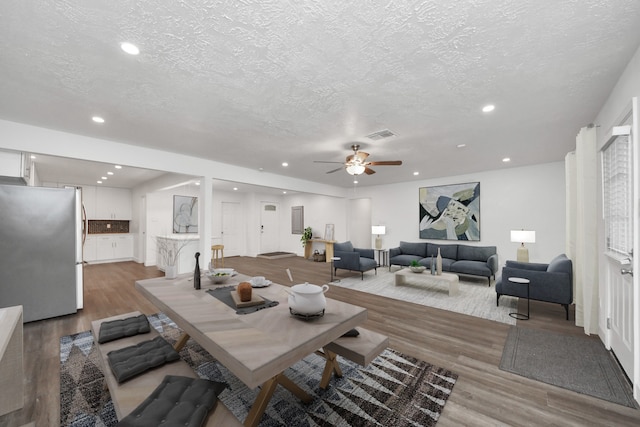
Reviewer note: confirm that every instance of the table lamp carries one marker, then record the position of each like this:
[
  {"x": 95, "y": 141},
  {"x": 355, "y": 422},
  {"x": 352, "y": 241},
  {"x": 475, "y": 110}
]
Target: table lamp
[
  {"x": 378, "y": 230},
  {"x": 523, "y": 236}
]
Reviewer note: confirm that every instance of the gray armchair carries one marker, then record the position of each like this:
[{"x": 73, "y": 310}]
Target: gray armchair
[
  {"x": 354, "y": 259},
  {"x": 551, "y": 282}
]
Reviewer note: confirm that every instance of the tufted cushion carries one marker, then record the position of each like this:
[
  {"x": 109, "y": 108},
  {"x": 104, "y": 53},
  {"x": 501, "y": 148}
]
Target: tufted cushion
[
  {"x": 176, "y": 401},
  {"x": 130, "y": 361},
  {"x": 121, "y": 328},
  {"x": 343, "y": 247},
  {"x": 560, "y": 264},
  {"x": 418, "y": 249}
]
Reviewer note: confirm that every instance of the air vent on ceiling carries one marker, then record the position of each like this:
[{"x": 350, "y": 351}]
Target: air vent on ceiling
[{"x": 381, "y": 134}]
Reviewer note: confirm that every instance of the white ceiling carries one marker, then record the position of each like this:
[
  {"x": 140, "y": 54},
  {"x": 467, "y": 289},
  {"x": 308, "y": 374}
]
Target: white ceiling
[{"x": 257, "y": 83}]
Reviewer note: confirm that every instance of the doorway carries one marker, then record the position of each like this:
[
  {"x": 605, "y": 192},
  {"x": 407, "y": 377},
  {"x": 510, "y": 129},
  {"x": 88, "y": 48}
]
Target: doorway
[
  {"x": 269, "y": 229},
  {"x": 232, "y": 219},
  {"x": 620, "y": 191}
]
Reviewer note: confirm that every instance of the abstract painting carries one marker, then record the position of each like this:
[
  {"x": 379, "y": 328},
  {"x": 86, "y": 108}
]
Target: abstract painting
[{"x": 450, "y": 212}]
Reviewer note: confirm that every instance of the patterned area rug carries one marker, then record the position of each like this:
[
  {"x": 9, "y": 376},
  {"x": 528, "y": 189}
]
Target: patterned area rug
[
  {"x": 475, "y": 297},
  {"x": 394, "y": 390}
]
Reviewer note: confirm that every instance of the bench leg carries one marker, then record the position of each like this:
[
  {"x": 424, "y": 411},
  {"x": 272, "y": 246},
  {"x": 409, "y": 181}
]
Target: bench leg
[
  {"x": 182, "y": 341},
  {"x": 331, "y": 367}
]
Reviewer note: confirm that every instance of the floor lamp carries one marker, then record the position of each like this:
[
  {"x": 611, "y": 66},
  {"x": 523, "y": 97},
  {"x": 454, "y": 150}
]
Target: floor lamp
[{"x": 523, "y": 236}]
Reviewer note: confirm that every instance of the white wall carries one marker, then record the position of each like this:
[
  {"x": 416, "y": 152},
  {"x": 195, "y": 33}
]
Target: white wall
[{"x": 530, "y": 197}]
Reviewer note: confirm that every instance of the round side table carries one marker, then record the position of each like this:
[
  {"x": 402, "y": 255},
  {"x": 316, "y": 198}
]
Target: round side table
[
  {"x": 334, "y": 258},
  {"x": 521, "y": 281}
]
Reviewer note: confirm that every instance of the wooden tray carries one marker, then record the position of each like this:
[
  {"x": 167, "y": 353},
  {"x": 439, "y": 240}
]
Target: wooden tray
[{"x": 255, "y": 300}]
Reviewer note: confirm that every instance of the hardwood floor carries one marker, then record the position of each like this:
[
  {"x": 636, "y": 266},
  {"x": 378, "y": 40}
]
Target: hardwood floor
[{"x": 472, "y": 347}]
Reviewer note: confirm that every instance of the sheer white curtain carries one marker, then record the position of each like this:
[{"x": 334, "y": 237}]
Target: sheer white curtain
[{"x": 582, "y": 236}]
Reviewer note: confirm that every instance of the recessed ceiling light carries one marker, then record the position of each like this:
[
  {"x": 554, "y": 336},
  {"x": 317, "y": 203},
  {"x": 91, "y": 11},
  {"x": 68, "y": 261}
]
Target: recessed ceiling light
[
  {"x": 235, "y": 188},
  {"x": 130, "y": 48},
  {"x": 461, "y": 145},
  {"x": 506, "y": 159},
  {"x": 355, "y": 182},
  {"x": 99, "y": 182},
  {"x": 285, "y": 164},
  {"x": 109, "y": 173},
  {"x": 488, "y": 108},
  {"x": 97, "y": 119},
  {"x": 197, "y": 183},
  {"x": 118, "y": 167},
  {"x": 416, "y": 173},
  {"x": 33, "y": 157},
  {"x": 103, "y": 177},
  {"x": 284, "y": 192}
]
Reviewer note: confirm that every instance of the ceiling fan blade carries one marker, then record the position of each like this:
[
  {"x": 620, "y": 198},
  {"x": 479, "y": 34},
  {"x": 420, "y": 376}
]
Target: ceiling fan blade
[
  {"x": 323, "y": 161},
  {"x": 369, "y": 171},
  {"x": 336, "y": 170},
  {"x": 386, "y": 163}
]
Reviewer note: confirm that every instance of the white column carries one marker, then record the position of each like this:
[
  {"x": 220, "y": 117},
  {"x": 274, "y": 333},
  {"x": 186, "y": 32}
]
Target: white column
[{"x": 205, "y": 220}]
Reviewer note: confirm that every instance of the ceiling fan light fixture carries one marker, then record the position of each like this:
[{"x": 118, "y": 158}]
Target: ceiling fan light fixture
[{"x": 355, "y": 169}]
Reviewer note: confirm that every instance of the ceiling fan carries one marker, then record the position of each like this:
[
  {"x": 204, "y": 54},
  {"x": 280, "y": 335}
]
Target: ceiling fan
[{"x": 357, "y": 164}]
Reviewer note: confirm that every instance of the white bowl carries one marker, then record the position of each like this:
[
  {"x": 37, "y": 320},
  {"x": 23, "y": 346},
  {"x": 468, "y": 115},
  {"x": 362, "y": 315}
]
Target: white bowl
[
  {"x": 216, "y": 276},
  {"x": 418, "y": 269}
]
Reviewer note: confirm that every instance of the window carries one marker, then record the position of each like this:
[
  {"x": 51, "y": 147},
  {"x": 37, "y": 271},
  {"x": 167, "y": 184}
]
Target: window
[{"x": 617, "y": 186}]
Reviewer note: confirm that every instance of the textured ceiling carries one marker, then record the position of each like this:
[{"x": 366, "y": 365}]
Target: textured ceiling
[{"x": 258, "y": 82}]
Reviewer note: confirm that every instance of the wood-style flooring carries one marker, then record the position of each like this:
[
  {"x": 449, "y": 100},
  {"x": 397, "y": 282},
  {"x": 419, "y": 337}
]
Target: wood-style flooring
[{"x": 472, "y": 347}]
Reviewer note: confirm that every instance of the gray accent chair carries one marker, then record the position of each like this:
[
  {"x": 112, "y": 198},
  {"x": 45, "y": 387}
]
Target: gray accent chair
[
  {"x": 353, "y": 259},
  {"x": 551, "y": 282}
]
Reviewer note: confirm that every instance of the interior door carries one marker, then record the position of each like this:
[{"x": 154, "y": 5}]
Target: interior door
[
  {"x": 232, "y": 221},
  {"x": 621, "y": 221},
  {"x": 269, "y": 230}
]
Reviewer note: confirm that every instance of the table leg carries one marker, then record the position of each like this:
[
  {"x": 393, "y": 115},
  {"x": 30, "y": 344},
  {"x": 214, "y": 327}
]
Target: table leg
[
  {"x": 399, "y": 279},
  {"x": 268, "y": 388},
  {"x": 181, "y": 341},
  {"x": 330, "y": 367}
]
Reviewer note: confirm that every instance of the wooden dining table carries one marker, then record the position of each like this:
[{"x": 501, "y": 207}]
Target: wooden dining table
[{"x": 256, "y": 347}]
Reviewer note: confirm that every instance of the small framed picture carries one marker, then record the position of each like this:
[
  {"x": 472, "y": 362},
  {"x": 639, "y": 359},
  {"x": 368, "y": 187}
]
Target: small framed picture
[{"x": 328, "y": 232}]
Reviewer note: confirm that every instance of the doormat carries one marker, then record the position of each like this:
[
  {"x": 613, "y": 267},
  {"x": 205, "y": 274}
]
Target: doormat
[
  {"x": 394, "y": 390},
  {"x": 276, "y": 255},
  {"x": 579, "y": 364}
]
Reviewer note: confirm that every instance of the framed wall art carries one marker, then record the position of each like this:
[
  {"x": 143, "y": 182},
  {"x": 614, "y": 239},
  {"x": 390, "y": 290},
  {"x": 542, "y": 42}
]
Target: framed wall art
[
  {"x": 185, "y": 214},
  {"x": 450, "y": 212}
]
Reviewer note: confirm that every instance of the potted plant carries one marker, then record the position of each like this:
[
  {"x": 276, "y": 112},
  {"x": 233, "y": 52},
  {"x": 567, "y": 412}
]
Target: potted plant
[
  {"x": 415, "y": 267},
  {"x": 305, "y": 238}
]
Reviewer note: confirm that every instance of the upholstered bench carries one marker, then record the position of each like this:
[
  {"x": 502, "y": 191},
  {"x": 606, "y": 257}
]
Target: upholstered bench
[
  {"x": 128, "y": 395},
  {"x": 361, "y": 349}
]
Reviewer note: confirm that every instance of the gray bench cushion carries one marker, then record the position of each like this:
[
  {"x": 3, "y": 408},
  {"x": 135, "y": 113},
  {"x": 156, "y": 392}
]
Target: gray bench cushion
[
  {"x": 176, "y": 401},
  {"x": 116, "y": 329},
  {"x": 130, "y": 361}
]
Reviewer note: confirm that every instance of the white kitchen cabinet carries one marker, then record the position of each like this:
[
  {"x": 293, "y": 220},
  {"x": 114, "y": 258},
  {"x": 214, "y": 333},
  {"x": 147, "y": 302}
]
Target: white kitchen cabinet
[
  {"x": 89, "y": 200},
  {"x": 113, "y": 203},
  {"x": 90, "y": 249},
  {"x": 112, "y": 248}
]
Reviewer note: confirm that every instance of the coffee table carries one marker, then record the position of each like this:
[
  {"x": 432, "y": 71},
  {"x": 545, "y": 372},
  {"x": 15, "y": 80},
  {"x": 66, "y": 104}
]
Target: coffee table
[
  {"x": 446, "y": 279},
  {"x": 255, "y": 347}
]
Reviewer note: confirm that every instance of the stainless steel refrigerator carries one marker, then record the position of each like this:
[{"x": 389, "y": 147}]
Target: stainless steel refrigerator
[{"x": 41, "y": 235}]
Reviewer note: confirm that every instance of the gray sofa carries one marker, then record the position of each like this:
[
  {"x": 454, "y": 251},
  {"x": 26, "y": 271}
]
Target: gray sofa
[
  {"x": 460, "y": 259},
  {"x": 551, "y": 282},
  {"x": 354, "y": 259}
]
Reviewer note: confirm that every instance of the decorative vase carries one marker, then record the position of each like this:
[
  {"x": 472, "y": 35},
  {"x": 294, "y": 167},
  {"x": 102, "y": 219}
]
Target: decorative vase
[
  {"x": 170, "y": 272},
  {"x": 439, "y": 263},
  {"x": 433, "y": 266},
  {"x": 196, "y": 273}
]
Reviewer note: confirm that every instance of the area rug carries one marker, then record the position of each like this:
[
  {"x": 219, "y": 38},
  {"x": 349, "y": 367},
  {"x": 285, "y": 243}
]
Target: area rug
[
  {"x": 394, "y": 390},
  {"x": 474, "y": 299},
  {"x": 580, "y": 364}
]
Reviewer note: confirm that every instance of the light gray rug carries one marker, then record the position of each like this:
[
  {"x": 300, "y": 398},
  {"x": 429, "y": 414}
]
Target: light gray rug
[
  {"x": 475, "y": 297},
  {"x": 580, "y": 364}
]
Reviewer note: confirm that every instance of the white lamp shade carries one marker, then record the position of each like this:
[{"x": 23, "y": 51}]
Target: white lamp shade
[
  {"x": 355, "y": 169},
  {"x": 378, "y": 229},
  {"x": 523, "y": 236}
]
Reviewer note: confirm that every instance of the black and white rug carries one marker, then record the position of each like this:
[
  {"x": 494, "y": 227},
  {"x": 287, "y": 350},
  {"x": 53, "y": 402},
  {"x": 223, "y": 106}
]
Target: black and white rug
[{"x": 394, "y": 390}]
